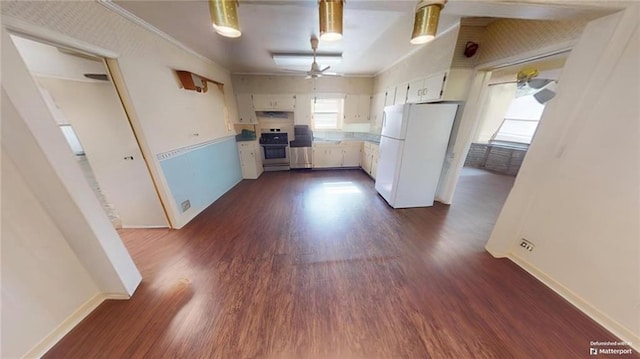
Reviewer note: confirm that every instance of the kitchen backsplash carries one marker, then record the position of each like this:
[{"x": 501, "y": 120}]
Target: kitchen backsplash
[{"x": 340, "y": 136}]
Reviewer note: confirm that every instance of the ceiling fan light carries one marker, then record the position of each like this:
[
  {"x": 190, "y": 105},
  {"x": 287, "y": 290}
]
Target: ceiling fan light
[
  {"x": 224, "y": 17},
  {"x": 425, "y": 24},
  {"x": 330, "y": 19}
]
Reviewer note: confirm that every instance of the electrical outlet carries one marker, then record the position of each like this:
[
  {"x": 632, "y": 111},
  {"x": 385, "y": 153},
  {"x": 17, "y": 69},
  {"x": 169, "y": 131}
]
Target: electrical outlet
[
  {"x": 526, "y": 245},
  {"x": 185, "y": 205}
]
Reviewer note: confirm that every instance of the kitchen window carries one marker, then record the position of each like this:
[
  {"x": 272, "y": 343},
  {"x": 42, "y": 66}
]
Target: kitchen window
[{"x": 327, "y": 113}]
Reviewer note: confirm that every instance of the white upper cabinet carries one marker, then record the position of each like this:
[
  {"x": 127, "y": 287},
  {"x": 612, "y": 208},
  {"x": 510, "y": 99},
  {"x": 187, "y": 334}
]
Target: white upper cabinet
[
  {"x": 389, "y": 96},
  {"x": 357, "y": 108},
  {"x": 426, "y": 89},
  {"x": 452, "y": 86},
  {"x": 377, "y": 110},
  {"x": 416, "y": 88},
  {"x": 401, "y": 93},
  {"x": 302, "y": 113},
  {"x": 433, "y": 87},
  {"x": 246, "y": 111},
  {"x": 274, "y": 102}
]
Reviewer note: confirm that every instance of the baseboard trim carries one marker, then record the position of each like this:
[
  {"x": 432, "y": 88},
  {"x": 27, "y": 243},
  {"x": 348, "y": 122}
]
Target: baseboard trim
[
  {"x": 145, "y": 227},
  {"x": 68, "y": 324},
  {"x": 601, "y": 318}
]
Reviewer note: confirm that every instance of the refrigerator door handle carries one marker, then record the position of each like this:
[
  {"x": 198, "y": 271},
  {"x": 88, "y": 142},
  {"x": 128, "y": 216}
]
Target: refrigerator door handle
[{"x": 384, "y": 119}]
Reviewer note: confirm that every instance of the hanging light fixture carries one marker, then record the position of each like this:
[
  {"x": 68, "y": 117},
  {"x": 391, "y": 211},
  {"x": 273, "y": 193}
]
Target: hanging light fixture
[
  {"x": 330, "y": 19},
  {"x": 224, "y": 17},
  {"x": 425, "y": 24}
]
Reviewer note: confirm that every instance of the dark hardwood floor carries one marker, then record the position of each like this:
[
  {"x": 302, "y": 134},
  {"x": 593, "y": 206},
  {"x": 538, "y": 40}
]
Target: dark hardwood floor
[{"x": 316, "y": 265}]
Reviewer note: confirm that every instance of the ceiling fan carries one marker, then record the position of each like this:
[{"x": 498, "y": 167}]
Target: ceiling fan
[
  {"x": 315, "y": 71},
  {"x": 528, "y": 83}
]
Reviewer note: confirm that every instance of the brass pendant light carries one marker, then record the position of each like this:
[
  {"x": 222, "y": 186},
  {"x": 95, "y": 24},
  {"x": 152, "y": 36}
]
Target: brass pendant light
[
  {"x": 425, "y": 24},
  {"x": 330, "y": 19},
  {"x": 224, "y": 17}
]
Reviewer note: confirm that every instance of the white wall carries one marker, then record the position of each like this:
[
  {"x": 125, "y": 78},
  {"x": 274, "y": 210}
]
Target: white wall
[
  {"x": 431, "y": 58},
  {"x": 43, "y": 282},
  {"x": 97, "y": 117},
  {"x": 46, "y": 60},
  {"x": 164, "y": 116},
  {"x": 577, "y": 194},
  {"x": 499, "y": 98},
  {"x": 37, "y": 148}
]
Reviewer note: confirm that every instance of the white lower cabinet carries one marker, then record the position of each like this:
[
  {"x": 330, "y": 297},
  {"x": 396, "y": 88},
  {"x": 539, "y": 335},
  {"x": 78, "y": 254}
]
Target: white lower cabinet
[
  {"x": 351, "y": 154},
  {"x": 250, "y": 159},
  {"x": 336, "y": 155},
  {"x": 375, "y": 154},
  {"x": 369, "y": 158},
  {"x": 327, "y": 156}
]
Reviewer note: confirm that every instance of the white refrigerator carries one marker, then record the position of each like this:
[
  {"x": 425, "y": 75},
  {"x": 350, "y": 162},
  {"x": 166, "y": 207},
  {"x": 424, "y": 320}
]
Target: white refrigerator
[{"x": 413, "y": 146}]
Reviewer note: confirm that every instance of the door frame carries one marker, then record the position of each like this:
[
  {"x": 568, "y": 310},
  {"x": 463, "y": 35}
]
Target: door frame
[{"x": 109, "y": 58}]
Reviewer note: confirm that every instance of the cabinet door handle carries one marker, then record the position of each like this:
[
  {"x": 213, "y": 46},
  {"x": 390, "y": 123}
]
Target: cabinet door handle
[
  {"x": 424, "y": 91},
  {"x": 419, "y": 92}
]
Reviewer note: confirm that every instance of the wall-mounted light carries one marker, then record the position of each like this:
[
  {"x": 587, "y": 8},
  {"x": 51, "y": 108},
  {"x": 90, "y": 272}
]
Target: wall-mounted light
[
  {"x": 425, "y": 24},
  {"x": 330, "y": 19},
  {"x": 224, "y": 17}
]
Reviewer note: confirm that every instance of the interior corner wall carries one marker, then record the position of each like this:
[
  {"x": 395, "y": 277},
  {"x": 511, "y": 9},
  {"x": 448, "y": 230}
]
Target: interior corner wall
[
  {"x": 165, "y": 117},
  {"x": 435, "y": 56},
  {"x": 576, "y": 197},
  {"x": 43, "y": 282}
]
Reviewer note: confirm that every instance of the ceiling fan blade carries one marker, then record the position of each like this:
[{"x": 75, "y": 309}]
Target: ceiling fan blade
[
  {"x": 539, "y": 83},
  {"x": 308, "y": 77},
  {"x": 325, "y": 69}
]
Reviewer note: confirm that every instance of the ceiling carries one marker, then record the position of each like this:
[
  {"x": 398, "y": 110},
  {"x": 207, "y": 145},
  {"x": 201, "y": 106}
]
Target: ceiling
[{"x": 375, "y": 33}]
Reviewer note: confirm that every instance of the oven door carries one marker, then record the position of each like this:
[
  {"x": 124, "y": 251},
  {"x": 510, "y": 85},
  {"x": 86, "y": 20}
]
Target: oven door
[{"x": 275, "y": 154}]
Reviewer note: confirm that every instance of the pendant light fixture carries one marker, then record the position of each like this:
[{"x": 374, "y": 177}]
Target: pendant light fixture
[
  {"x": 224, "y": 17},
  {"x": 425, "y": 24},
  {"x": 330, "y": 19}
]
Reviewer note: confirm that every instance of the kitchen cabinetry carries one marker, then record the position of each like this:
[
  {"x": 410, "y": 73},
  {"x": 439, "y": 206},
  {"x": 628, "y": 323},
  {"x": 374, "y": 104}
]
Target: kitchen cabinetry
[
  {"x": 250, "y": 159},
  {"x": 274, "y": 102},
  {"x": 327, "y": 155},
  {"x": 401, "y": 93},
  {"x": 357, "y": 108},
  {"x": 426, "y": 89},
  {"x": 389, "y": 96},
  {"x": 369, "y": 158},
  {"x": 377, "y": 111},
  {"x": 351, "y": 154},
  {"x": 375, "y": 154},
  {"x": 302, "y": 112},
  {"x": 246, "y": 111},
  {"x": 336, "y": 155}
]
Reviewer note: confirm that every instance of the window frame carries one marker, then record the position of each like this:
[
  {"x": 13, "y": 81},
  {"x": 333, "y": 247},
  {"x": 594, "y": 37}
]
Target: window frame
[{"x": 339, "y": 113}]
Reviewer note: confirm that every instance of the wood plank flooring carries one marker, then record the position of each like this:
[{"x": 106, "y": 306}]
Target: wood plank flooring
[{"x": 317, "y": 265}]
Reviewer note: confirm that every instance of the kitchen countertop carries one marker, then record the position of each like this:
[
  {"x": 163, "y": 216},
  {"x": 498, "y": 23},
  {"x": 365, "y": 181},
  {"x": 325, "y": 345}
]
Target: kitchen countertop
[{"x": 337, "y": 142}]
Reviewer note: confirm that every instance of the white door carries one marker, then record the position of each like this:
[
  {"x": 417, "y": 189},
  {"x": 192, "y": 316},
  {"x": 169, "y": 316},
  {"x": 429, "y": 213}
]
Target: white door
[
  {"x": 388, "y": 168},
  {"x": 394, "y": 124},
  {"x": 98, "y": 118}
]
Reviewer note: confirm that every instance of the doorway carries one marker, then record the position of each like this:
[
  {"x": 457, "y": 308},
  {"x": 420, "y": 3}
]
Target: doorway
[
  {"x": 80, "y": 95},
  {"x": 514, "y": 101}
]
